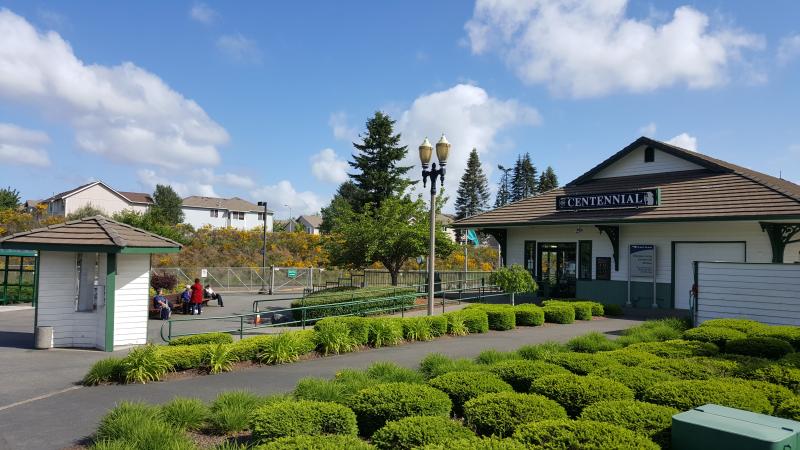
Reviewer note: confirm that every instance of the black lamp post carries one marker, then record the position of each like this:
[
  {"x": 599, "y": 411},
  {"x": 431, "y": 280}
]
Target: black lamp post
[
  {"x": 264, "y": 289},
  {"x": 425, "y": 153}
]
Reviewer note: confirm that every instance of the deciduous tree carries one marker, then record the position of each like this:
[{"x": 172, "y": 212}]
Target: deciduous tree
[
  {"x": 167, "y": 205},
  {"x": 9, "y": 198}
]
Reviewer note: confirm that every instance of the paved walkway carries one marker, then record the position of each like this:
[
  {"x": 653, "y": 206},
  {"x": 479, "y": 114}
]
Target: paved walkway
[{"x": 60, "y": 420}]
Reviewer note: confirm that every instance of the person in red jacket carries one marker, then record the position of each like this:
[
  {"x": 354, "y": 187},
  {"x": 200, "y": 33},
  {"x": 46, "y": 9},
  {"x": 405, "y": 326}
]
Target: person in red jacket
[{"x": 197, "y": 296}]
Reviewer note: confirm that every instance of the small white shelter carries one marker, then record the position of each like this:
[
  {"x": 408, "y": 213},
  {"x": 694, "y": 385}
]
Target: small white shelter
[{"x": 93, "y": 277}]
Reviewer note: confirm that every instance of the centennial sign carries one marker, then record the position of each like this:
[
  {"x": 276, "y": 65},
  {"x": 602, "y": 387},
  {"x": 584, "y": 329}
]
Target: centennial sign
[{"x": 606, "y": 200}]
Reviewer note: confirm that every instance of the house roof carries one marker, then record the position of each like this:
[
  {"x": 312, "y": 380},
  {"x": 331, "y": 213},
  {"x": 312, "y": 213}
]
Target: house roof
[
  {"x": 229, "y": 204},
  {"x": 720, "y": 190},
  {"x": 132, "y": 197},
  {"x": 313, "y": 221},
  {"x": 137, "y": 197},
  {"x": 95, "y": 233}
]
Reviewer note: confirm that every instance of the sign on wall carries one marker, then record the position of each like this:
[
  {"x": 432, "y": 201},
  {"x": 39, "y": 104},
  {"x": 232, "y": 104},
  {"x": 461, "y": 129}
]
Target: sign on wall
[
  {"x": 642, "y": 260},
  {"x": 608, "y": 200}
]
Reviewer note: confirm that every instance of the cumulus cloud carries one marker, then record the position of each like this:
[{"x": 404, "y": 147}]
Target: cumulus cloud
[
  {"x": 789, "y": 48},
  {"x": 23, "y": 146},
  {"x": 341, "y": 129},
  {"x": 283, "y": 193},
  {"x": 684, "y": 140},
  {"x": 228, "y": 178},
  {"x": 328, "y": 167},
  {"x": 587, "y": 49},
  {"x": 648, "y": 130},
  {"x": 123, "y": 112},
  {"x": 470, "y": 117},
  {"x": 239, "y": 48},
  {"x": 149, "y": 179},
  {"x": 200, "y": 12}
]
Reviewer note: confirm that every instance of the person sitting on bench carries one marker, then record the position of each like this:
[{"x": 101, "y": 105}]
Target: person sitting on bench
[
  {"x": 186, "y": 299},
  {"x": 162, "y": 305},
  {"x": 209, "y": 293}
]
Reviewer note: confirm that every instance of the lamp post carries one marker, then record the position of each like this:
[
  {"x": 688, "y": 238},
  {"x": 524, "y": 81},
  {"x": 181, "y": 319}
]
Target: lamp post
[
  {"x": 425, "y": 153},
  {"x": 291, "y": 219},
  {"x": 264, "y": 289}
]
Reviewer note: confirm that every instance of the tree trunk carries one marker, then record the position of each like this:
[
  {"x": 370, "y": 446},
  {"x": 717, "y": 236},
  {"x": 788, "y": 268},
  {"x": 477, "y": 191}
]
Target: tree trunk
[{"x": 393, "y": 274}]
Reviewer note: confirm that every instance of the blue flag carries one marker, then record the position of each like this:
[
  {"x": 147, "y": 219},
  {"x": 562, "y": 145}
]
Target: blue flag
[{"x": 472, "y": 237}]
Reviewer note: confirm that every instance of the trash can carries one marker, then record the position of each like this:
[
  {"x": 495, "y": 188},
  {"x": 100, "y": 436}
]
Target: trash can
[{"x": 43, "y": 338}]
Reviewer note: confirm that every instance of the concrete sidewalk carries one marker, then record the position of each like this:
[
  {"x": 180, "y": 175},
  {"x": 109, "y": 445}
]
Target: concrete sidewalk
[{"x": 60, "y": 420}]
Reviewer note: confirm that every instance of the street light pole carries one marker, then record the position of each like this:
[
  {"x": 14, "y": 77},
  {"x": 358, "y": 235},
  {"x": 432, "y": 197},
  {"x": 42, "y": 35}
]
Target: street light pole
[
  {"x": 264, "y": 253},
  {"x": 291, "y": 219},
  {"x": 425, "y": 153}
]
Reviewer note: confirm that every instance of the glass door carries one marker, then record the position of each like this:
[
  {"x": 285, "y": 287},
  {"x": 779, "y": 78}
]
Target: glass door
[{"x": 558, "y": 268}]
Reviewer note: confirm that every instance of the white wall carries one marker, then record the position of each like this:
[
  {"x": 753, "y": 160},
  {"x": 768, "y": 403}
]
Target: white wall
[
  {"x": 99, "y": 197},
  {"x": 633, "y": 164},
  {"x": 200, "y": 217},
  {"x": 740, "y": 290},
  {"x": 131, "y": 300}
]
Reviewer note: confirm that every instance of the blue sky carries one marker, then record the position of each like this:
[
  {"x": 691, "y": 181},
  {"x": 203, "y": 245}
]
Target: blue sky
[{"x": 262, "y": 99}]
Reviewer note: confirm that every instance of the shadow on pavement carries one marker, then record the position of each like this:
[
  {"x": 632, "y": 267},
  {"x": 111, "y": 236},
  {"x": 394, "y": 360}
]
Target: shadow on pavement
[{"x": 16, "y": 339}]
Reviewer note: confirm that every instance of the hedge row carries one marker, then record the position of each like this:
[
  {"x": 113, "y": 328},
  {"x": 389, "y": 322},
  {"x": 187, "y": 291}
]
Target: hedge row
[{"x": 342, "y": 303}]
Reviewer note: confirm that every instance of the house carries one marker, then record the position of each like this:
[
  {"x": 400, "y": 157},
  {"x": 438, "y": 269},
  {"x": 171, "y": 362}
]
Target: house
[
  {"x": 630, "y": 230},
  {"x": 446, "y": 220},
  {"x": 310, "y": 223},
  {"x": 98, "y": 195},
  {"x": 224, "y": 212}
]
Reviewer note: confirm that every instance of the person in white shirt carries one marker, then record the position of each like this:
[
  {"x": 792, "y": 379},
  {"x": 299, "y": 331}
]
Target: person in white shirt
[{"x": 209, "y": 293}]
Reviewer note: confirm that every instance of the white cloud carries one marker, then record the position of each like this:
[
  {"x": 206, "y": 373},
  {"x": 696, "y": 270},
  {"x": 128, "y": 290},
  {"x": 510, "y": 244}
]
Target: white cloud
[
  {"x": 340, "y": 127},
  {"x": 283, "y": 193},
  {"x": 203, "y": 13},
  {"x": 328, "y": 167},
  {"x": 587, "y": 49},
  {"x": 23, "y": 146},
  {"x": 239, "y": 48},
  {"x": 789, "y": 48},
  {"x": 684, "y": 140},
  {"x": 123, "y": 112},
  {"x": 227, "y": 179},
  {"x": 648, "y": 130},
  {"x": 469, "y": 117},
  {"x": 149, "y": 179}
]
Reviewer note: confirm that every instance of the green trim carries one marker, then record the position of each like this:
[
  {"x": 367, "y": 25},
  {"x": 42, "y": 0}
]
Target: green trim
[
  {"x": 149, "y": 250},
  {"x": 111, "y": 277},
  {"x": 672, "y": 257},
  {"x": 625, "y": 221},
  {"x": 36, "y": 288},
  {"x": 9, "y": 252},
  {"x": 88, "y": 248}
]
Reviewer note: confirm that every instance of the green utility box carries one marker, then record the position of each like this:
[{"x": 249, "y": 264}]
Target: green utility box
[{"x": 719, "y": 427}]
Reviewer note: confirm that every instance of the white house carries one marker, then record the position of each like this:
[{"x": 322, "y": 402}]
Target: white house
[
  {"x": 98, "y": 195},
  {"x": 310, "y": 223},
  {"x": 224, "y": 212}
]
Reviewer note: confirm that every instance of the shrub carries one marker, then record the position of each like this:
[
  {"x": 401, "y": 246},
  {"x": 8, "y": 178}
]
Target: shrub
[
  {"x": 414, "y": 432},
  {"x": 559, "y": 314},
  {"x": 183, "y": 357},
  {"x": 359, "y": 328},
  {"x": 638, "y": 379},
  {"x": 287, "y": 347},
  {"x": 630, "y": 357},
  {"x": 775, "y": 393},
  {"x": 677, "y": 348},
  {"x": 790, "y": 334},
  {"x": 520, "y": 374},
  {"x": 219, "y": 358},
  {"x": 583, "y": 310},
  {"x": 612, "y": 310},
  {"x": 164, "y": 280},
  {"x": 765, "y": 347},
  {"x": 343, "y": 303},
  {"x": 541, "y": 351},
  {"x": 475, "y": 320},
  {"x": 529, "y": 315},
  {"x": 204, "y": 338},
  {"x": 417, "y": 329},
  {"x": 745, "y": 326},
  {"x": 328, "y": 442},
  {"x": 124, "y": 419},
  {"x": 248, "y": 349},
  {"x": 772, "y": 373},
  {"x": 456, "y": 325},
  {"x": 592, "y": 343},
  {"x": 185, "y": 413},
  {"x": 438, "y": 325},
  {"x": 463, "y": 386},
  {"x": 390, "y": 372},
  {"x": 688, "y": 394},
  {"x": 575, "y": 393},
  {"x": 376, "y": 405},
  {"x": 333, "y": 336},
  {"x": 580, "y": 434},
  {"x": 653, "y": 421},
  {"x": 688, "y": 368},
  {"x": 436, "y": 364},
  {"x": 303, "y": 417},
  {"x": 492, "y": 356},
  {"x": 716, "y": 335},
  {"x": 476, "y": 443},
  {"x": 231, "y": 411},
  {"x": 789, "y": 409},
  {"x": 384, "y": 332},
  {"x": 144, "y": 364},
  {"x": 499, "y": 414},
  {"x": 580, "y": 363},
  {"x": 339, "y": 390},
  {"x": 791, "y": 360},
  {"x": 111, "y": 445},
  {"x": 108, "y": 370},
  {"x": 513, "y": 279},
  {"x": 597, "y": 308},
  {"x": 654, "y": 330},
  {"x": 500, "y": 317}
]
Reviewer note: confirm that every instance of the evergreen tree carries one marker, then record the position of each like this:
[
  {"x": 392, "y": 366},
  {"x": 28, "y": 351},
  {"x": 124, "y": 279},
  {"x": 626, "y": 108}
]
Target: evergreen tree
[
  {"x": 504, "y": 189},
  {"x": 548, "y": 180},
  {"x": 9, "y": 198},
  {"x": 473, "y": 189},
  {"x": 167, "y": 205},
  {"x": 378, "y": 174},
  {"x": 523, "y": 183}
]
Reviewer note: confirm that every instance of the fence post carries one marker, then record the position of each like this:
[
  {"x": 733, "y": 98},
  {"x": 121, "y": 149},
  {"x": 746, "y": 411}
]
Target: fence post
[
  {"x": 311, "y": 277},
  {"x": 303, "y": 317},
  {"x": 241, "y": 327},
  {"x": 271, "y": 278}
]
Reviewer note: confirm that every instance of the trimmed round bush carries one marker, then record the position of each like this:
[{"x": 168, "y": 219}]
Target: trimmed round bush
[
  {"x": 541, "y": 351},
  {"x": 583, "y": 311},
  {"x": 772, "y": 373},
  {"x": 575, "y": 393},
  {"x": 688, "y": 394},
  {"x": 438, "y": 325},
  {"x": 677, "y": 348},
  {"x": 476, "y": 443},
  {"x": 764, "y": 347},
  {"x": 689, "y": 368},
  {"x": 462, "y": 386},
  {"x": 528, "y": 315},
  {"x": 328, "y": 442},
  {"x": 791, "y": 360},
  {"x": 376, "y": 405},
  {"x": 475, "y": 320},
  {"x": 745, "y": 326},
  {"x": 637, "y": 379},
  {"x": 630, "y": 357},
  {"x": 500, "y": 317},
  {"x": 786, "y": 333},
  {"x": 789, "y": 409},
  {"x": 612, "y": 310},
  {"x": 716, "y": 335},
  {"x": 521, "y": 373},
  {"x": 580, "y": 434},
  {"x": 414, "y": 432},
  {"x": 559, "y": 314},
  {"x": 580, "y": 363},
  {"x": 653, "y": 421},
  {"x": 499, "y": 414},
  {"x": 592, "y": 342},
  {"x": 302, "y": 417},
  {"x": 776, "y": 394},
  {"x": 204, "y": 338}
]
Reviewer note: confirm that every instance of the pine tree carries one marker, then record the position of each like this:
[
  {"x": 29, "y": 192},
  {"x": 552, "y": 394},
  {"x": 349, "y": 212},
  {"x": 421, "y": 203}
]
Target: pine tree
[
  {"x": 504, "y": 189},
  {"x": 523, "y": 183},
  {"x": 548, "y": 180},
  {"x": 378, "y": 174},
  {"x": 473, "y": 190}
]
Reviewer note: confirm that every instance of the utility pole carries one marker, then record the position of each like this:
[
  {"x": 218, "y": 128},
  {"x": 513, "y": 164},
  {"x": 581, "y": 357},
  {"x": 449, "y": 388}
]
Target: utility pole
[{"x": 264, "y": 253}]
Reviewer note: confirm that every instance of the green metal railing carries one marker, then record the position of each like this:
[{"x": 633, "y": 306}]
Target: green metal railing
[{"x": 17, "y": 276}]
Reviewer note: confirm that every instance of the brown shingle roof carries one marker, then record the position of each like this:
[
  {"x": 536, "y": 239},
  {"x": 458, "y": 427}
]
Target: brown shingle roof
[
  {"x": 313, "y": 220},
  {"x": 137, "y": 197},
  {"x": 229, "y": 204},
  {"x": 91, "y": 231}
]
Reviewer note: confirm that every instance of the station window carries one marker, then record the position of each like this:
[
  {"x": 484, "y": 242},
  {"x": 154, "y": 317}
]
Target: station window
[
  {"x": 649, "y": 154},
  {"x": 585, "y": 260}
]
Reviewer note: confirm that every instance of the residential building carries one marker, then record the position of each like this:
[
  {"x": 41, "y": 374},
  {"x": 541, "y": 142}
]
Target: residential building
[
  {"x": 310, "y": 223},
  {"x": 224, "y": 212},
  {"x": 98, "y": 195}
]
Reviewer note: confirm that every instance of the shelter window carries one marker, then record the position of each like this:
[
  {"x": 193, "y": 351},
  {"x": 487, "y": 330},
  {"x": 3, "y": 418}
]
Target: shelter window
[
  {"x": 649, "y": 154},
  {"x": 214, "y": 213},
  {"x": 87, "y": 277}
]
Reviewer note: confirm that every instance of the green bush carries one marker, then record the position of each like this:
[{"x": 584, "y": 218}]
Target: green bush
[
  {"x": 376, "y": 405},
  {"x": 344, "y": 303},
  {"x": 583, "y": 310},
  {"x": 488, "y": 357},
  {"x": 500, "y": 317},
  {"x": 580, "y": 363},
  {"x": 688, "y": 394},
  {"x": 287, "y": 347},
  {"x": 108, "y": 370},
  {"x": 385, "y": 332},
  {"x": 592, "y": 343},
  {"x": 476, "y": 443},
  {"x": 438, "y": 325},
  {"x": 580, "y": 434},
  {"x": 333, "y": 337},
  {"x": 417, "y": 329},
  {"x": 597, "y": 308},
  {"x": 653, "y": 421},
  {"x": 764, "y": 347},
  {"x": 677, "y": 348},
  {"x": 475, "y": 320},
  {"x": 575, "y": 392},
  {"x": 359, "y": 328},
  {"x": 436, "y": 364},
  {"x": 231, "y": 411},
  {"x": 654, "y": 331},
  {"x": 414, "y": 432},
  {"x": 559, "y": 314},
  {"x": 789, "y": 409},
  {"x": 339, "y": 390},
  {"x": 790, "y": 334},
  {"x": 139, "y": 426},
  {"x": 248, "y": 349},
  {"x": 302, "y": 417},
  {"x": 541, "y": 351},
  {"x": 638, "y": 379},
  {"x": 144, "y": 364},
  {"x": 513, "y": 279},
  {"x": 630, "y": 357},
  {"x": 745, "y": 326},
  {"x": 183, "y": 357},
  {"x": 328, "y": 442},
  {"x": 520, "y": 374},
  {"x": 529, "y": 315},
  {"x": 613, "y": 310},
  {"x": 204, "y": 338},
  {"x": 390, "y": 372},
  {"x": 776, "y": 394},
  {"x": 499, "y": 414},
  {"x": 772, "y": 373},
  {"x": 456, "y": 323},
  {"x": 219, "y": 358},
  {"x": 716, "y": 335},
  {"x": 791, "y": 360},
  {"x": 465, "y": 385},
  {"x": 690, "y": 368},
  {"x": 185, "y": 413}
]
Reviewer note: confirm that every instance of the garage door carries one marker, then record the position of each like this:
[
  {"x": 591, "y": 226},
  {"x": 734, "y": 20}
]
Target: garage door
[{"x": 687, "y": 253}]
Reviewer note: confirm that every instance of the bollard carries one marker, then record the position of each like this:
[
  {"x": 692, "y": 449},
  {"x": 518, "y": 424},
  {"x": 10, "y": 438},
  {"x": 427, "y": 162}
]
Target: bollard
[{"x": 43, "y": 338}]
